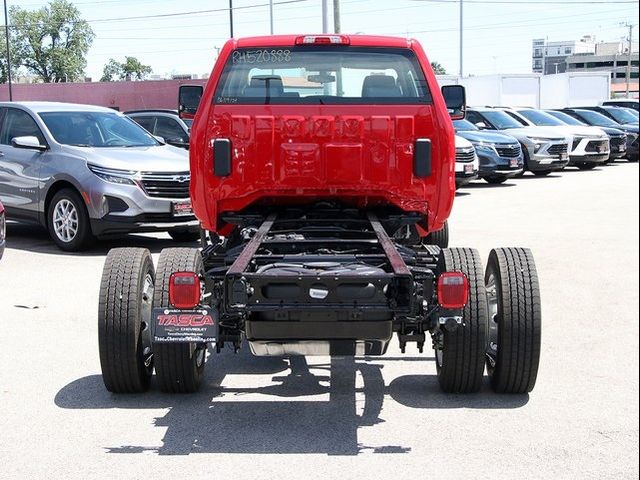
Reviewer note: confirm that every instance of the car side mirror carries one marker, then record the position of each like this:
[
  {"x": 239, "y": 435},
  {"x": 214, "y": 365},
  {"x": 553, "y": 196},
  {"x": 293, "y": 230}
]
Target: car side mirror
[
  {"x": 160, "y": 139},
  {"x": 481, "y": 125},
  {"x": 455, "y": 97},
  {"x": 28, "y": 142}
]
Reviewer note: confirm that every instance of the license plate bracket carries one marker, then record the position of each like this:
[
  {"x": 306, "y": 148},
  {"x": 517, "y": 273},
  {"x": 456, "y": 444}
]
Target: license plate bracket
[
  {"x": 514, "y": 163},
  {"x": 184, "y": 326},
  {"x": 468, "y": 169},
  {"x": 182, "y": 209}
]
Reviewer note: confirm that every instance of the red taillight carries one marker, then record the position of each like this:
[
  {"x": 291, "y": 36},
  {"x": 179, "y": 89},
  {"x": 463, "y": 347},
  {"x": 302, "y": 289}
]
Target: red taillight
[
  {"x": 184, "y": 290},
  {"x": 453, "y": 290},
  {"x": 323, "y": 40}
]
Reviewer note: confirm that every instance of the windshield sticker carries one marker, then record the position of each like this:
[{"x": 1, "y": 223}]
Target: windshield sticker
[{"x": 261, "y": 56}]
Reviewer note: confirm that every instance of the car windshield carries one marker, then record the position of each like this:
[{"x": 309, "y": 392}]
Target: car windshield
[
  {"x": 566, "y": 118},
  {"x": 633, "y": 112},
  {"x": 541, "y": 119},
  {"x": 501, "y": 120},
  {"x": 322, "y": 75},
  {"x": 595, "y": 118},
  {"x": 464, "y": 126},
  {"x": 621, "y": 116},
  {"x": 96, "y": 129}
]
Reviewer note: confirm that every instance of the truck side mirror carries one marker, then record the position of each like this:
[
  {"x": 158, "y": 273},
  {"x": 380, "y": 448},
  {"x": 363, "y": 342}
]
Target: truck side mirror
[
  {"x": 188, "y": 100},
  {"x": 456, "y": 99}
]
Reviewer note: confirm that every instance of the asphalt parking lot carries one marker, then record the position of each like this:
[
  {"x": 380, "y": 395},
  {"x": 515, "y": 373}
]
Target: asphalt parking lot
[{"x": 374, "y": 418}]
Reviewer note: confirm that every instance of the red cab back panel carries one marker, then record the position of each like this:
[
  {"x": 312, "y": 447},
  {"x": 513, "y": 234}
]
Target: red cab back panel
[{"x": 299, "y": 153}]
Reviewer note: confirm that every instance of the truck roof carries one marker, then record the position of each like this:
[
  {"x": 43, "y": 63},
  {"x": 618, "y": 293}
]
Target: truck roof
[{"x": 355, "y": 40}]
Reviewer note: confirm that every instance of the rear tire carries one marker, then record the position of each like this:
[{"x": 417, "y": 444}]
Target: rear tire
[
  {"x": 124, "y": 312},
  {"x": 179, "y": 366},
  {"x": 439, "y": 238},
  {"x": 513, "y": 294},
  {"x": 460, "y": 354}
]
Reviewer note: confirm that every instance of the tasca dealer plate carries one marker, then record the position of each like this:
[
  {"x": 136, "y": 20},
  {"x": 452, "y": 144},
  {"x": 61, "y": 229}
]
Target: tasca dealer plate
[{"x": 180, "y": 326}]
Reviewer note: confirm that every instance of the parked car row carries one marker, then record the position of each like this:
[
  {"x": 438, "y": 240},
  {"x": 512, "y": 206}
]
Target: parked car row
[
  {"x": 511, "y": 140},
  {"x": 86, "y": 172}
]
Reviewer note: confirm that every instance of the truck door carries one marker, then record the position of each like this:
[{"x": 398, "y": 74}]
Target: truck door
[{"x": 19, "y": 167}]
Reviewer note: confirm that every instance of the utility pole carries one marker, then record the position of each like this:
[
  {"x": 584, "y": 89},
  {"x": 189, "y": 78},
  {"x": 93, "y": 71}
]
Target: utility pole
[
  {"x": 230, "y": 18},
  {"x": 6, "y": 32},
  {"x": 325, "y": 15},
  {"x": 628, "y": 74},
  {"x": 336, "y": 29},
  {"x": 461, "y": 39},
  {"x": 271, "y": 17}
]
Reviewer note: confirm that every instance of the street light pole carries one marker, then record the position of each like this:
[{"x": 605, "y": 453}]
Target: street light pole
[
  {"x": 325, "y": 16},
  {"x": 6, "y": 32},
  {"x": 461, "y": 38},
  {"x": 230, "y": 18},
  {"x": 271, "y": 17},
  {"x": 628, "y": 74},
  {"x": 336, "y": 16}
]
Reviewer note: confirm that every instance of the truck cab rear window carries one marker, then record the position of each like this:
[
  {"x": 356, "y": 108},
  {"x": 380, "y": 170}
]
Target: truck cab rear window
[{"x": 322, "y": 75}]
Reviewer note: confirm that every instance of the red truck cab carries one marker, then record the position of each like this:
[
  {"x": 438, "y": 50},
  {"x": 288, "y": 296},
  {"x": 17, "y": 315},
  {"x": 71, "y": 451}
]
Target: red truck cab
[{"x": 297, "y": 119}]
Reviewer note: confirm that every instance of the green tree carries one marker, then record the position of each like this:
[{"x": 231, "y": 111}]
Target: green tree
[
  {"x": 438, "y": 69},
  {"x": 52, "y": 41},
  {"x": 4, "y": 74},
  {"x": 111, "y": 71},
  {"x": 131, "y": 69}
]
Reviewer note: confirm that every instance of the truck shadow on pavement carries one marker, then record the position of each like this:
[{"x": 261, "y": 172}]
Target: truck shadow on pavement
[
  {"x": 33, "y": 238},
  {"x": 307, "y": 408}
]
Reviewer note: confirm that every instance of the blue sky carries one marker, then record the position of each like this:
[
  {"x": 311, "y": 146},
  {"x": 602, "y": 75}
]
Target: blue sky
[{"x": 497, "y": 36}]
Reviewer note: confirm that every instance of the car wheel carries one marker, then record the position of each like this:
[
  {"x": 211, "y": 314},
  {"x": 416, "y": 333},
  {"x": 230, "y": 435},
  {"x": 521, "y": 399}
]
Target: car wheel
[
  {"x": 439, "y": 238},
  {"x": 460, "y": 354},
  {"x": 513, "y": 298},
  {"x": 68, "y": 221},
  {"x": 185, "y": 235},
  {"x": 124, "y": 314},
  {"x": 179, "y": 366}
]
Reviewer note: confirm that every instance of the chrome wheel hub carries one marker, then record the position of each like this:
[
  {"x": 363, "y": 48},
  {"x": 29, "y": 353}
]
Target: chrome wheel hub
[{"x": 65, "y": 220}]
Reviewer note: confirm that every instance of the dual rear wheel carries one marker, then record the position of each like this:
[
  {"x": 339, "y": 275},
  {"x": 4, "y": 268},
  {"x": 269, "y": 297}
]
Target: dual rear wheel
[
  {"x": 129, "y": 290},
  {"x": 501, "y": 324}
]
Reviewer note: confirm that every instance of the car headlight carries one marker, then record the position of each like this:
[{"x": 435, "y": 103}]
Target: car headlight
[
  {"x": 539, "y": 142},
  {"x": 484, "y": 147},
  {"x": 112, "y": 175}
]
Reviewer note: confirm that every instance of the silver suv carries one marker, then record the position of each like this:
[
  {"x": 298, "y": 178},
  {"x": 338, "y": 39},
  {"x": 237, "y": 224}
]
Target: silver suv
[
  {"x": 544, "y": 149},
  {"x": 84, "y": 172}
]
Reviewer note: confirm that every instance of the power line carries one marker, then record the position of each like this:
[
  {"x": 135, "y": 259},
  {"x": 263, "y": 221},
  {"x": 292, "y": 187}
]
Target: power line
[{"x": 175, "y": 14}]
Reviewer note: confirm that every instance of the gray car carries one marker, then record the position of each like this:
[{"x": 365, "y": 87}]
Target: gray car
[
  {"x": 164, "y": 123},
  {"x": 83, "y": 172}
]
